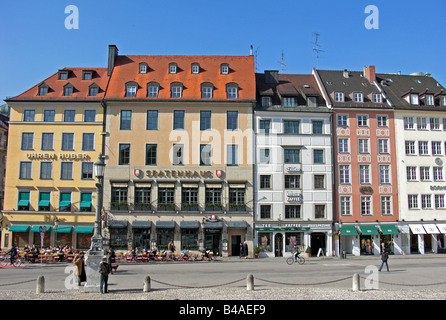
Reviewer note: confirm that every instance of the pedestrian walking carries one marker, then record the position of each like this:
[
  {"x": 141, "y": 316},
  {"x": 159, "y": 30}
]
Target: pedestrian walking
[
  {"x": 245, "y": 250},
  {"x": 384, "y": 258},
  {"x": 104, "y": 270},
  {"x": 77, "y": 269}
]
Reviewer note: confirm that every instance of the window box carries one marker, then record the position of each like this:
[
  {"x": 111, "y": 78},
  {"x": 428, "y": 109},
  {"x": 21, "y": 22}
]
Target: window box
[
  {"x": 166, "y": 206},
  {"x": 189, "y": 207},
  {"x": 237, "y": 207},
  {"x": 119, "y": 206}
]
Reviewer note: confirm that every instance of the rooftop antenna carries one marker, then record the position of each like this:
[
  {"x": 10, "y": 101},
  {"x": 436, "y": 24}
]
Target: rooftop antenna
[
  {"x": 316, "y": 48},
  {"x": 256, "y": 59},
  {"x": 282, "y": 61}
]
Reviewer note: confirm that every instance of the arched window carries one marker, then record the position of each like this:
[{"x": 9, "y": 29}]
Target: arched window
[{"x": 131, "y": 88}]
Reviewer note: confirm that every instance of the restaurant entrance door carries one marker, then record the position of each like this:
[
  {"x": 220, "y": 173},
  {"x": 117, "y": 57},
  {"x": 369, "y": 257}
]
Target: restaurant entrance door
[{"x": 212, "y": 241}]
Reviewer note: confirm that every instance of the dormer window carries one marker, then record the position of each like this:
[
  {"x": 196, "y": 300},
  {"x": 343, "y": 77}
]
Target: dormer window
[
  {"x": 130, "y": 89},
  {"x": 63, "y": 75},
  {"x": 377, "y": 98},
  {"x": 176, "y": 90},
  {"x": 68, "y": 90},
  {"x": 43, "y": 90},
  {"x": 443, "y": 101},
  {"x": 430, "y": 101},
  {"x": 312, "y": 101},
  {"x": 339, "y": 97},
  {"x": 224, "y": 68},
  {"x": 153, "y": 89},
  {"x": 232, "y": 90},
  {"x": 87, "y": 75},
  {"x": 206, "y": 90},
  {"x": 266, "y": 101},
  {"x": 143, "y": 68},
  {"x": 195, "y": 68},
  {"x": 93, "y": 90},
  {"x": 414, "y": 99},
  {"x": 358, "y": 97},
  {"x": 289, "y": 101},
  {"x": 172, "y": 68}
]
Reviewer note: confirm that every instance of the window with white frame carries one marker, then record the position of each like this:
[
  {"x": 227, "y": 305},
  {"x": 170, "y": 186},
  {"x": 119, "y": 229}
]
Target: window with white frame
[
  {"x": 435, "y": 123},
  {"x": 386, "y": 205},
  {"x": 410, "y": 147},
  {"x": 176, "y": 91},
  {"x": 412, "y": 200},
  {"x": 421, "y": 123},
  {"x": 266, "y": 101},
  {"x": 172, "y": 68},
  {"x": 345, "y": 205},
  {"x": 424, "y": 173},
  {"x": 344, "y": 174},
  {"x": 377, "y": 98},
  {"x": 364, "y": 174},
  {"x": 408, "y": 123},
  {"x": 343, "y": 145},
  {"x": 423, "y": 147},
  {"x": 363, "y": 120},
  {"x": 430, "y": 100},
  {"x": 383, "y": 146},
  {"x": 357, "y": 97},
  {"x": 264, "y": 155},
  {"x": 438, "y": 173},
  {"x": 414, "y": 99},
  {"x": 363, "y": 145},
  {"x": 436, "y": 148},
  {"x": 443, "y": 100},
  {"x": 411, "y": 173},
  {"x": 439, "y": 201},
  {"x": 339, "y": 96},
  {"x": 130, "y": 91},
  {"x": 426, "y": 201},
  {"x": 342, "y": 120},
  {"x": 384, "y": 174},
  {"x": 366, "y": 205},
  {"x": 143, "y": 68},
  {"x": 382, "y": 121}
]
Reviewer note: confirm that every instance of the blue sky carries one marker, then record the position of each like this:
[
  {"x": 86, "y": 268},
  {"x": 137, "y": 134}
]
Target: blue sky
[{"x": 35, "y": 43}]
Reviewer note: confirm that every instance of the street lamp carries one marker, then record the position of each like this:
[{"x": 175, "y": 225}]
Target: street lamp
[{"x": 95, "y": 253}]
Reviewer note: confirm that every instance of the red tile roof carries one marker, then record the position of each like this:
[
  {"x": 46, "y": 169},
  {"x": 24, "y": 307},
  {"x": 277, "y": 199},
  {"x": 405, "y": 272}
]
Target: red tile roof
[
  {"x": 80, "y": 87},
  {"x": 126, "y": 69}
]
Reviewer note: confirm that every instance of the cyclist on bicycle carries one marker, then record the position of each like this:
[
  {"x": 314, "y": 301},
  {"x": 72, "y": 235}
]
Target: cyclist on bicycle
[
  {"x": 297, "y": 250},
  {"x": 13, "y": 253}
]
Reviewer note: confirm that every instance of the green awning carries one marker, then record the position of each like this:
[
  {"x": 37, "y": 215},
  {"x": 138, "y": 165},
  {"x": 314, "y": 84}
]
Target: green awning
[
  {"x": 36, "y": 228},
  {"x": 84, "y": 230},
  {"x": 23, "y": 203},
  {"x": 349, "y": 231},
  {"x": 65, "y": 204},
  {"x": 85, "y": 204},
  {"x": 389, "y": 229},
  {"x": 44, "y": 203},
  {"x": 18, "y": 228},
  {"x": 62, "y": 229},
  {"x": 368, "y": 230}
]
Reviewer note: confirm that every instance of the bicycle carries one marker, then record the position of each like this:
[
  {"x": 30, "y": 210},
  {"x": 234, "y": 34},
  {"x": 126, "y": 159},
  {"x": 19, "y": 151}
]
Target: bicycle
[
  {"x": 6, "y": 259},
  {"x": 295, "y": 258}
]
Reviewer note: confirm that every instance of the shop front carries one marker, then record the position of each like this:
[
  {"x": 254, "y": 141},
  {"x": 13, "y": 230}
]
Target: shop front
[
  {"x": 213, "y": 237},
  {"x": 276, "y": 240}
]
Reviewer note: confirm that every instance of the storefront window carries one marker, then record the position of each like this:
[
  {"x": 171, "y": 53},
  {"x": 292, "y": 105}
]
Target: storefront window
[
  {"x": 83, "y": 240},
  {"x": 366, "y": 245},
  {"x": 46, "y": 240},
  {"x": 64, "y": 239},
  {"x": 293, "y": 238},
  {"x": 20, "y": 239},
  {"x": 163, "y": 237},
  {"x": 118, "y": 238},
  {"x": 189, "y": 239},
  {"x": 264, "y": 243},
  {"x": 141, "y": 238}
]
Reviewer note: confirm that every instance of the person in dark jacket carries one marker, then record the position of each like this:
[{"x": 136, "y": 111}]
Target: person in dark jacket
[
  {"x": 384, "y": 258},
  {"x": 104, "y": 270}
]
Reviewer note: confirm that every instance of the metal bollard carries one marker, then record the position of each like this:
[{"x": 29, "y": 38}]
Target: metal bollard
[
  {"x": 356, "y": 284},
  {"x": 147, "y": 284},
  {"x": 40, "y": 288},
  {"x": 250, "y": 282}
]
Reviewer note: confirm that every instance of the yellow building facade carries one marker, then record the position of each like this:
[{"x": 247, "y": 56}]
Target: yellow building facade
[{"x": 54, "y": 139}]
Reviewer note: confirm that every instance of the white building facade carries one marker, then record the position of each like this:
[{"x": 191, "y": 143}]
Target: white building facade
[{"x": 293, "y": 168}]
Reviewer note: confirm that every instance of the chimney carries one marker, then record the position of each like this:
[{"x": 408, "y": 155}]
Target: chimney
[
  {"x": 250, "y": 51},
  {"x": 369, "y": 73},
  {"x": 272, "y": 76},
  {"x": 112, "y": 54}
]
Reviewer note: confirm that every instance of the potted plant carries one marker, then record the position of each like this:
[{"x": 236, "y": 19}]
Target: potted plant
[
  {"x": 256, "y": 252},
  {"x": 308, "y": 252}
]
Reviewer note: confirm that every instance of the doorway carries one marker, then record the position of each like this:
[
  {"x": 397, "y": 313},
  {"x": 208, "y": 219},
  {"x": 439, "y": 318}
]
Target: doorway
[
  {"x": 318, "y": 242},
  {"x": 212, "y": 242},
  {"x": 235, "y": 245},
  {"x": 278, "y": 245}
]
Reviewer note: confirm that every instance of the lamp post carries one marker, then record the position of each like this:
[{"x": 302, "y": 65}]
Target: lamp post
[{"x": 95, "y": 253}]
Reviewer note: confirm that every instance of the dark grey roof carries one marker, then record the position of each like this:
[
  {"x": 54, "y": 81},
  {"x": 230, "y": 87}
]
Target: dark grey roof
[
  {"x": 397, "y": 87},
  {"x": 350, "y": 82},
  {"x": 299, "y": 86}
]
